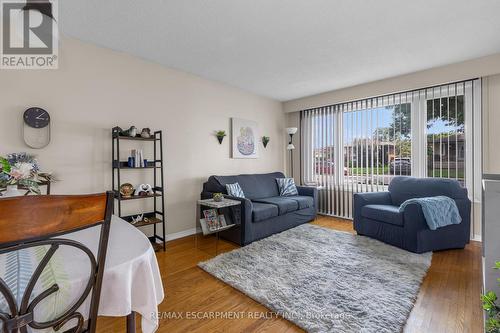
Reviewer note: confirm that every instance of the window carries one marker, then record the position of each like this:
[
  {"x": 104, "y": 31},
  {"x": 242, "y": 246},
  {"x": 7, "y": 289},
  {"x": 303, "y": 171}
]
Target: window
[
  {"x": 360, "y": 146},
  {"x": 446, "y": 137},
  {"x": 377, "y": 144}
]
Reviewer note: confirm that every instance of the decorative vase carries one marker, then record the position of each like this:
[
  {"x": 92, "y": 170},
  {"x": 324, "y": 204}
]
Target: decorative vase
[
  {"x": 12, "y": 191},
  {"x": 132, "y": 132},
  {"x": 220, "y": 138},
  {"x": 146, "y": 133}
]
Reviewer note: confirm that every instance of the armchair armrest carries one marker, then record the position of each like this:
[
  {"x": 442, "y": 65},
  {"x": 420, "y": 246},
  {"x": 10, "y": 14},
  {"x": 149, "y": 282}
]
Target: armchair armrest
[
  {"x": 414, "y": 219},
  {"x": 414, "y": 223},
  {"x": 373, "y": 198},
  {"x": 369, "y": 198}
]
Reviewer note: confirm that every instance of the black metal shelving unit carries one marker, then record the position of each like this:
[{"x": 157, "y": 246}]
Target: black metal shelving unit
[{"x": 157, "y": 216}]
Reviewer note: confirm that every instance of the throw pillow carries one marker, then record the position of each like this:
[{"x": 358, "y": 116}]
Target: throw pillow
[
  {"x": 287, "y": 187},
  {"x": 235, "y": 190}
]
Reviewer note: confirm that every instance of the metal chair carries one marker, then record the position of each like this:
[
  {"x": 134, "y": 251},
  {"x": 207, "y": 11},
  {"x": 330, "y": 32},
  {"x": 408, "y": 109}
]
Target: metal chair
[{"x": 32, "y": 221}]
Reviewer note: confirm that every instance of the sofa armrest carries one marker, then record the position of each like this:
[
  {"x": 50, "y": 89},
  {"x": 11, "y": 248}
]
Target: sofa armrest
[
  {"x": 246, "y": 204},
  {"x": 309, "y": 191},
  {"x": 369, "y": 198},
  {"x": 246, "y": 217}
]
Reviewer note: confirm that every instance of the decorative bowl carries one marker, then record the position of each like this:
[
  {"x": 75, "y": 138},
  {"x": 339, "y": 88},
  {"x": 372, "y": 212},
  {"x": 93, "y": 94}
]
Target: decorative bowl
[{"x": 126, "y": 190}]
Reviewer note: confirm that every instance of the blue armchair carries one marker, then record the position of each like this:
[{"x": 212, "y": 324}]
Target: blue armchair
[{"x": 377, "y": 215}]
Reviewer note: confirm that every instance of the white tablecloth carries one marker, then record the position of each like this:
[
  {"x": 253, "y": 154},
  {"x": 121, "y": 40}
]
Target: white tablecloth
[{"x": 131, "y": 281}]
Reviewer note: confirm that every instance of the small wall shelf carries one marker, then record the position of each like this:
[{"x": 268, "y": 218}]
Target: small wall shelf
[{"x": 157, "y": 216}]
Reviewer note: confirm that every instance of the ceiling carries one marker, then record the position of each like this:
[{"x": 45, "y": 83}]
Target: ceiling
[{"x": 286, "y": 49}]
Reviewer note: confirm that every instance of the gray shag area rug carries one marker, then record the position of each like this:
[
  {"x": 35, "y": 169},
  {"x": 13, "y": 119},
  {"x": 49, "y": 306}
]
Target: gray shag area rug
[{"x": 325, "y": 280}]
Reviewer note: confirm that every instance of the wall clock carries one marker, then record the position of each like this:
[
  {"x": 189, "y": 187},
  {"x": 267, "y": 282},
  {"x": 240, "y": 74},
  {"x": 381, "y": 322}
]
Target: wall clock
[{"x": 36, "y": 127}]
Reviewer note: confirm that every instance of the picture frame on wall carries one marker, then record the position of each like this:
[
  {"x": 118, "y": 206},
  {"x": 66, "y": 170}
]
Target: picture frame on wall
[{"x": 245, "y": 136}]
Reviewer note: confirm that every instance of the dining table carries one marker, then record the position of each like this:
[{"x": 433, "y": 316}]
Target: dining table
[{"x": 131, "y": 282}]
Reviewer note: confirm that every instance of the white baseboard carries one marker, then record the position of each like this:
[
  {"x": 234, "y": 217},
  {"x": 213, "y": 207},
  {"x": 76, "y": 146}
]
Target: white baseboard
[
  {"x": 476, "y": 238},
  {"x": 181, "y": 234}
]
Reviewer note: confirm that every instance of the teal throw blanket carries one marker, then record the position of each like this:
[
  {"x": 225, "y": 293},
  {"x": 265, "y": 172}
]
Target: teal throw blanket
[{"x": 438, "y": 211}]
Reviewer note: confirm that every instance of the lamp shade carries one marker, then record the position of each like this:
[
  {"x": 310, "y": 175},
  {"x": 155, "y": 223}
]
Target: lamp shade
[
  {"x": 290, "y": 147},
  {"x": 291, "y": 130}
]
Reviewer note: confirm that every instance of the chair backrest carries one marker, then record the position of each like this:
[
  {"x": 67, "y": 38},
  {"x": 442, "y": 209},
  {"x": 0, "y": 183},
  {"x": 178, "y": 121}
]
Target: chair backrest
[
  {"x": 403, "y": 188},
  {"x": 34, "y": 221}
]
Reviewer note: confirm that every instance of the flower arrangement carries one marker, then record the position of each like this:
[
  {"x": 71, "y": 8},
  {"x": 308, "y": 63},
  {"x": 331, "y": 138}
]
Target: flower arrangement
[
  {"x": 22, "y": 169},
  {"x": 492, "y": 308}
]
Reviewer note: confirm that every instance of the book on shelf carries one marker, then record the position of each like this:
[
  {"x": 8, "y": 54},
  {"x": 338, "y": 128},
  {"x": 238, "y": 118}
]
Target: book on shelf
[
  {"x": 138, "y": 158},
  {"x": 222, "y": 221}
]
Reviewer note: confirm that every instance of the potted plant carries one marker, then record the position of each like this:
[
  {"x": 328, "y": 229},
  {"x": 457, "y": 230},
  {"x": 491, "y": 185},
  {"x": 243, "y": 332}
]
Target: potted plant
[
  {"x": 218, "y": 197},
  {"x": 21, "y": 170},
  {"x": 492, "y": 308},
  {"x": 265, "y": 140},
  {"x": 220, "y": 135}
]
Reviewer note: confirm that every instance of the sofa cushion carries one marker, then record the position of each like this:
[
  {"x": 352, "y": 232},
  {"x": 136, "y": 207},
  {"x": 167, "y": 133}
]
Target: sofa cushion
[
  {"x": 383, "y": 213},
  {"x": 303, "y": 201},
  {"x": 235, "y": 190},
  {"x": 254, "y": 186},
  {"x": 287, "y": 187},
  {"x": 285, "y": 205},
  {"x": 263, "y": 211},
  {"x": 404, "y": 188}
]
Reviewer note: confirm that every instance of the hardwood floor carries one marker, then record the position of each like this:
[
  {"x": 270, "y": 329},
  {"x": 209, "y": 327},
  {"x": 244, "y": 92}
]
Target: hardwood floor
[{"x": 448, "y": 300}]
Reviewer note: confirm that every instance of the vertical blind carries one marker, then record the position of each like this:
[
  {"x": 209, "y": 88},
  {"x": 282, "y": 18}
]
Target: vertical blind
[{"x": 360, "y": 146}]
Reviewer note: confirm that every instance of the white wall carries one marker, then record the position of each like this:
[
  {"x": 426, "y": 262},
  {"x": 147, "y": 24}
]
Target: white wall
[
  {"x": 491, "y": 124},
  {"x": 95, "y": 89},
  {"x": 471, "y": 69},
  {"x": 486, "y": 67}
]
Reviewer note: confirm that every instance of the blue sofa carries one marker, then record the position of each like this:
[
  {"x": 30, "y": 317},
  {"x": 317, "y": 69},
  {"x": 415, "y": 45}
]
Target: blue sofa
[
  {"x": 263, "y": 211},
  {"x": 377, "y": 215}
]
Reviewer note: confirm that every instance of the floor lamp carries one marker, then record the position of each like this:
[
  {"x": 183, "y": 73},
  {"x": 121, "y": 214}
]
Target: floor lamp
[{"x": 291, "y": 131}]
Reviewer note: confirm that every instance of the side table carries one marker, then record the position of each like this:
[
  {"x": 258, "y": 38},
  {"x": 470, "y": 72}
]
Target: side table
[{"x": 211, "y": 203}]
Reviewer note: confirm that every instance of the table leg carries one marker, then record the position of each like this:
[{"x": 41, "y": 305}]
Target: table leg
[
  {"x": 196, "y": 226},
  {"x": 216, "y": 243},
  {"x": 131, "y": 322}
]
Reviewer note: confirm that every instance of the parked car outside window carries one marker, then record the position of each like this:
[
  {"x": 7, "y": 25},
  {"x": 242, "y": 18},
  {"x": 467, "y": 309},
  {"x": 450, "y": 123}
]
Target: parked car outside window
[{"x": 401, "y": 166}]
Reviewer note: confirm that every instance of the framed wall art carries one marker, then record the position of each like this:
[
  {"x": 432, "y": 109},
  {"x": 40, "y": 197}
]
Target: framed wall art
[{"x": 245, "y": 136}]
